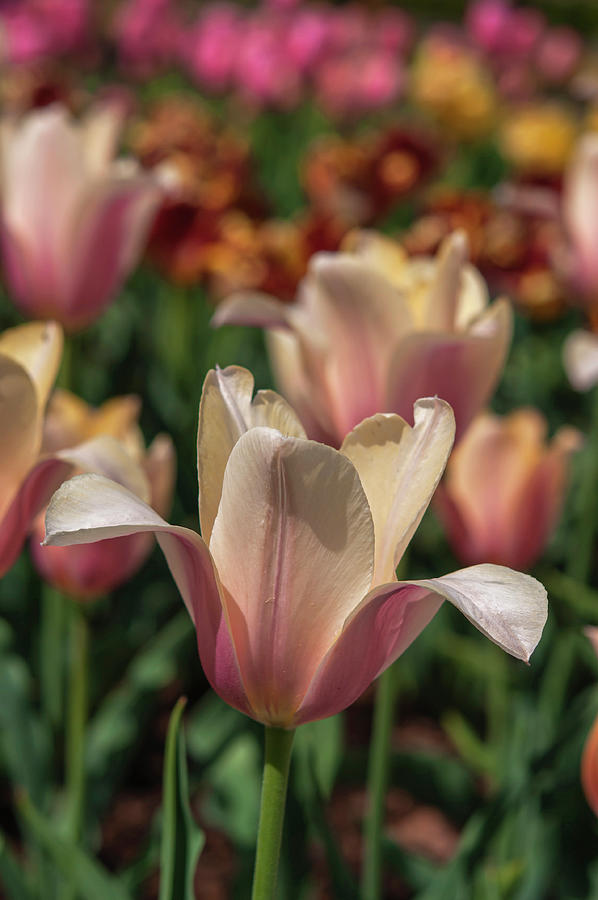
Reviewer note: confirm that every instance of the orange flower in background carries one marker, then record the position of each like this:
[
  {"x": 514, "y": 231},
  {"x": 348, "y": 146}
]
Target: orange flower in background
[
  {"x": 73, "y": 220},
  {"x": 88, "y": 571},
  {"x": 504, "y": 488},
  {"x": 372, "y": 331}
]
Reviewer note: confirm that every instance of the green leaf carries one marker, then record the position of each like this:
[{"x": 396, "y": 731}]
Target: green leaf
[
  {"x": 182, "y": 840},
  {"x": 88, "y": 878},
  {"x": 12, "y": 877}
]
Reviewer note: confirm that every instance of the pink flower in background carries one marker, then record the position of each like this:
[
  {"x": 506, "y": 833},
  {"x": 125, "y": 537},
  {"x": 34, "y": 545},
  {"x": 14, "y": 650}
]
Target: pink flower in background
[
  {"x": 264, "y": 72},
  {"x": 73, "y": 221},
  {"x": 355, "y": 83},
  {"x": 307, "y": 36},
  {"x": 589, "y": 759},
  {"x": 213, "y": 45},
  {"x": 558, "y": 54},
  {"x": 316, "y": 583},
  {"x": 504, "y": 487},
  {"x": 148, "y": 34},
  {"x": 373, "y": 330},
  {"x": 487, "y": 22},
  {"x": 43, "y": 28}
]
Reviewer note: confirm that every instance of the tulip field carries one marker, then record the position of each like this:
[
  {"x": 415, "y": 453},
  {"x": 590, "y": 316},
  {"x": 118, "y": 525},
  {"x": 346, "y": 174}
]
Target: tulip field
[{"x": 298, "y": 450}]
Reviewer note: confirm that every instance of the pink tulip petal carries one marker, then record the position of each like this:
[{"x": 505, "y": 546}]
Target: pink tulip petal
[
  {"x": 92, "y": 508},
  {"x": 580, "y": 199},
  {"x": 32, "y": 496},
  {"x": 357, "y": 308},
  {"x": 293, "y": 545},
  {"x": 374, "y": 637},
  {"x": 460, "y": 368},
  {"x": 108, "y": 232},
  {"x": 443, "y": 296},
  {"x": 400, "y": 467},
  {"x": 506, "y": 606},
  {"x": 226, "y": 411}
]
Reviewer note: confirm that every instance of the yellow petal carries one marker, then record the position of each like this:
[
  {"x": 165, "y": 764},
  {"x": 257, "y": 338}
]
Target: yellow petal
[
  {"x": 227, "y": 411},
  {"x": 400, "y": 467}
]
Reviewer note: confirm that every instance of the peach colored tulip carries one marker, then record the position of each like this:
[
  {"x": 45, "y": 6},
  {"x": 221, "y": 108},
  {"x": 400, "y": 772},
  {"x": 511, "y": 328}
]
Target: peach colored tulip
[
  {"x": 580, "y": 216},
  {"x": 72, "y": 220},
  {"x": 87, "y": 571},
  {"x": 373, "y": 330},
  {"x": 292, "y": 588},
  {"x": 589, "y": 759},
  {"x": 503, "y": 489},
  {"x": 29, "y": 360}
]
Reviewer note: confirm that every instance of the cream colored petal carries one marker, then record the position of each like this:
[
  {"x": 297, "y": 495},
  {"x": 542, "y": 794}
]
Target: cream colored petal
[
  {"x": 445, "y": 289},
  {"x": 70, "y": 420},
  {"x": 290, "y": 375},
  {"x": 100, "y": 131},
  {"x": 293, "y": 544},
  {"x": 227, "y": 411},
  {"x": 400, "y": 467},
  {"x": 379, "y": 252},
  {"x": 107, "y": 456},
  {"x": 580, "y": 358},
  {"x": 251, "y": 308},
  {"x": 37, "y": 347},
  {"x": 19, "y": 428}
]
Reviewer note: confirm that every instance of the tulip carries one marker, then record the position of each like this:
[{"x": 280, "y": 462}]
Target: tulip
[
  {"x": 589, "y": 759},
  {"x": 503, "y": 490},
  {"x": 292, "y": 588},
  {"x": 29, "y": 361},
  {"x": 72, "y": 220},
  {"x": 580, "y": 217},
  {"x": 372, "y": 331},
  {"x": 88, "y": 571}
]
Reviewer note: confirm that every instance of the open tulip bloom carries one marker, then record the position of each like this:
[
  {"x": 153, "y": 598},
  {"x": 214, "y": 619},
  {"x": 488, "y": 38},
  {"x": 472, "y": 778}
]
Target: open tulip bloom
[
  {"x": 292, "y": 588},
  {"x": 29, "y": 360},
  {"x": 372, "y": 330}
]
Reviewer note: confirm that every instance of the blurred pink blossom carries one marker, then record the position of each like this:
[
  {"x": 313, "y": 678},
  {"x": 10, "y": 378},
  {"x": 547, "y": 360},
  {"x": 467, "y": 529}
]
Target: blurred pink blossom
[{"x": 213, "y": 45}]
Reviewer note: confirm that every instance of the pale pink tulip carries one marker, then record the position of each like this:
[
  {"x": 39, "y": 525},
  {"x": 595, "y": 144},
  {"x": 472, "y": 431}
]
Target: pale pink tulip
[
  {"x": 580, "y": 217},
  {"x": 589, "y": 760},
  {"x": 372, "y": 331},
  {"x": 72, "y": 220},
  {"x": 504, "y": 487},
  {"x": 90, "y": 570},
  {"x": 29, "y": 360},
  {"x": 292, "y": 589}
]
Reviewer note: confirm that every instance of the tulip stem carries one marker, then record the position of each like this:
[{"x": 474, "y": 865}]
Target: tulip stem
[
  {"x": 581, "y": 553},
  {"x": 377, "y": 781},
  {"x": 279, "y": 744},
  {"x": 77, "y": 716}
]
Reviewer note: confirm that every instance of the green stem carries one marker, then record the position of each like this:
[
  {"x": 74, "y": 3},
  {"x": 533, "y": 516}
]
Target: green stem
[
  {"x": 377, "y": 780},
  {"x": 77, "y": 716},
  {"x": 279, "y": 744},
  {"x": 51, "y": 653},
  {"x": 582, "y": 549}
]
